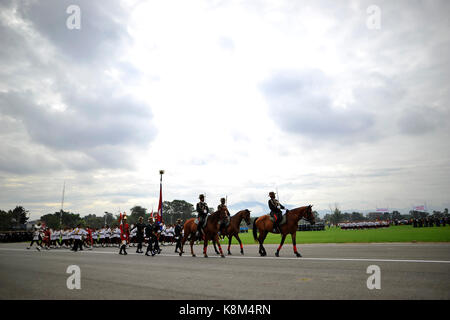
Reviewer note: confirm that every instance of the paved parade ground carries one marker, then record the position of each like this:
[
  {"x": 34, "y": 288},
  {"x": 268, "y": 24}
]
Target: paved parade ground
[{"x": 326, "y": 271}]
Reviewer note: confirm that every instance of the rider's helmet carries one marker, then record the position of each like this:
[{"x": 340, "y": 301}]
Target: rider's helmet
[{"x": 272, "y": 194}]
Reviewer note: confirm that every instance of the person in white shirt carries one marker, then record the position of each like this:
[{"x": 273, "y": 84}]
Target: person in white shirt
[
  {"x": 102, "y": 236},
  {"x": 76, "y": 233},
  {"x": 36, "y": 238},
  {"x": 65, "y": 238},
  {"x": 108, "y": 236}
]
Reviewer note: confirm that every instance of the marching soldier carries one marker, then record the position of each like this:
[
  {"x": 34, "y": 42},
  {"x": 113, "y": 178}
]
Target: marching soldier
[
  {"x": 36, "y": 238},
  {"x": 275, "y": 210},
  {"x": 140, "y": 226},
  {"x": 202, "y": 210},
  {"x": 178, "y": 231},
  {"x": 124, "y": 233},
  {"x": 151, "y": 231}
]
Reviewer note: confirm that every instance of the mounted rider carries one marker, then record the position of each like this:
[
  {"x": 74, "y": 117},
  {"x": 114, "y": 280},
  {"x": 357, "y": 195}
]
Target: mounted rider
[
  {"x": 223, "y": 206},
  {"x": 202, "y": 211},
  {"x": 275, "y": 210}
]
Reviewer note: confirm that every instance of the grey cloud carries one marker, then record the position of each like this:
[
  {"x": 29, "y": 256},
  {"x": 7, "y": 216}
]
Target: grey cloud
[
  {"x": 100, "y": 127},
  {"x": 100, "y": 33},
  {"x": 299, "y": 103},
  {"x": 417, "y": 121}
]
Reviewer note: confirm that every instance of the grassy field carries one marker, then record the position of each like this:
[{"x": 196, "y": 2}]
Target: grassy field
[{"x": 336, "y": 235}]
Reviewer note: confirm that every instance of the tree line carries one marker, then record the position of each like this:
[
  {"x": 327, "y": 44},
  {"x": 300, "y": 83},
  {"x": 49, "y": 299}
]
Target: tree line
[
  {"x": 337, "y": 216},
  {"x": 172, "y": 210}
]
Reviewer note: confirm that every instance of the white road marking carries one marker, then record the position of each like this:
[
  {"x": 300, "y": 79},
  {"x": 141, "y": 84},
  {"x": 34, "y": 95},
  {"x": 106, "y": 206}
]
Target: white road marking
[{"x": 200, "y": 256}]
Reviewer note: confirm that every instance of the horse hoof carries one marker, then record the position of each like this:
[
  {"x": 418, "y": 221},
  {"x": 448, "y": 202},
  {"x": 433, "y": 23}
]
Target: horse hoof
[
  {"x": 194, "y": 255},
  {"x": 229, "y": 253},
  {"x": 277, "y": 254},
  {"x": 206, "y": 256},
  {"x": 298, "y": 255},
  {"x": 222, "y": 256},
  {"x": 242, "y": 252}
]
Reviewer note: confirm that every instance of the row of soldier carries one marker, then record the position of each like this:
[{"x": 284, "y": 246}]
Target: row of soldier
[{"x": 79, "y": 237}]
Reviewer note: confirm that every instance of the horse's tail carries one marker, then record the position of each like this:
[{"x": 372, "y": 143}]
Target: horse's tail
[{"x": 255, "y": 231}]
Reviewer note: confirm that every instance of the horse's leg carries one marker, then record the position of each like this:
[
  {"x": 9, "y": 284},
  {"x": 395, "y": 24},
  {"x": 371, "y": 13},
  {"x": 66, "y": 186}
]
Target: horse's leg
[
  {"x": 220, "y": 247},
  {"x": 240, "y": 243},
  {"x": 215, "y": 248},
  {"x": 230, "y": 237},
  {"x": 262, "y": 236},
  {"x": 214, "y": 243},
  {"x": 293, "y": 235},
  {"x": 205, "y": 246},
  {"x": 183, "y": 241},
  {"x": 283, "y": 237},
  {"x": 192, "y": 247}
]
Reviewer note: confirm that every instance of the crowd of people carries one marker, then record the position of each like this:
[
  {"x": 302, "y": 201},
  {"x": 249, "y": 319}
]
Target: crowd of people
[
  {"x": 430, "y": 222},
  {"x": 151, "y": 235},
  {"x": 417, "y": 223},
  {"x": 15, "y": 236},
  {"x": 364, "y": 225}
]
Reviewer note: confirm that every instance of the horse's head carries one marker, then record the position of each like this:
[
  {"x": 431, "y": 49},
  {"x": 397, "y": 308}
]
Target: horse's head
[
  {"x": 310, "y": 215},
  {"x": 246, "y": 216},
  {"x": 222, "y": 213}
]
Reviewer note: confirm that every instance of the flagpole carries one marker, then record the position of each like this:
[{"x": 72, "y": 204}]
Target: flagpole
[
  {"x": 160, "y": 213},
  {"x": 62, "y": 205}
]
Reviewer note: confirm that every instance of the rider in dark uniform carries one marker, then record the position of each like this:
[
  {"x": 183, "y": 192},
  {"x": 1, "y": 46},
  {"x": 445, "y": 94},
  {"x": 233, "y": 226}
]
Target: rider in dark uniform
[
  {"x": 178, "y": 230},
  {"x": 202, "y": 211},
  {"x": 275, "y": 210},
  {"x": 223, "y": 206},
  {"x": 140, "y": 226}
]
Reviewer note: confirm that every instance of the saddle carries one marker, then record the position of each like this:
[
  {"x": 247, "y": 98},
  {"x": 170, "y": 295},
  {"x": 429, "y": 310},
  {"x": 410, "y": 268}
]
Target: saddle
[
  {"x": 283, "y": 220},
  {"x": 204, "y": 222}
]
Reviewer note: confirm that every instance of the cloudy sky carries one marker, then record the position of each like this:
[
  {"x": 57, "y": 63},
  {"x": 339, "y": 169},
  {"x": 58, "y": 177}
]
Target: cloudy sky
[{"x": 233, "y": 98}]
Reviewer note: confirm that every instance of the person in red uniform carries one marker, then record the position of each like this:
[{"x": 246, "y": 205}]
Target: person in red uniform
[
  {"x": 46, "y": 240},
  {"x": 89, "y": 239},
  {"x": 124, "y": 233}
]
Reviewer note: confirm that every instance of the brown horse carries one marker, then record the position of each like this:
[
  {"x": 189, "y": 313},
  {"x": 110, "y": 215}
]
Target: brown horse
[
  {"x": 264, "y": 225},
  {"x": 233, "y": 228},
  {"x": 209, "y": 231}
]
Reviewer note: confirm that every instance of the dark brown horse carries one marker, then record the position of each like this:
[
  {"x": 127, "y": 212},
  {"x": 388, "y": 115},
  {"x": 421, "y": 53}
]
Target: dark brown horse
[
  {"x": 233, "y": 228},
  {"x": 264, "y": 225},
  {"x": 209, "y": 231}
]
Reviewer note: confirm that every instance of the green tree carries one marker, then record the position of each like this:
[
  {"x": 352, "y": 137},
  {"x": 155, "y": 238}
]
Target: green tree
[
  {"x": 5, "y": 220},
  {"x": 177, "y": 209},
  {"x": 19, "y": 215},
  {"x": 357, "y": 216},
  {"x": 136, "y": 212},
  {"x": 337, "y": 216},
  {"x": 93, "y": 221}
]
